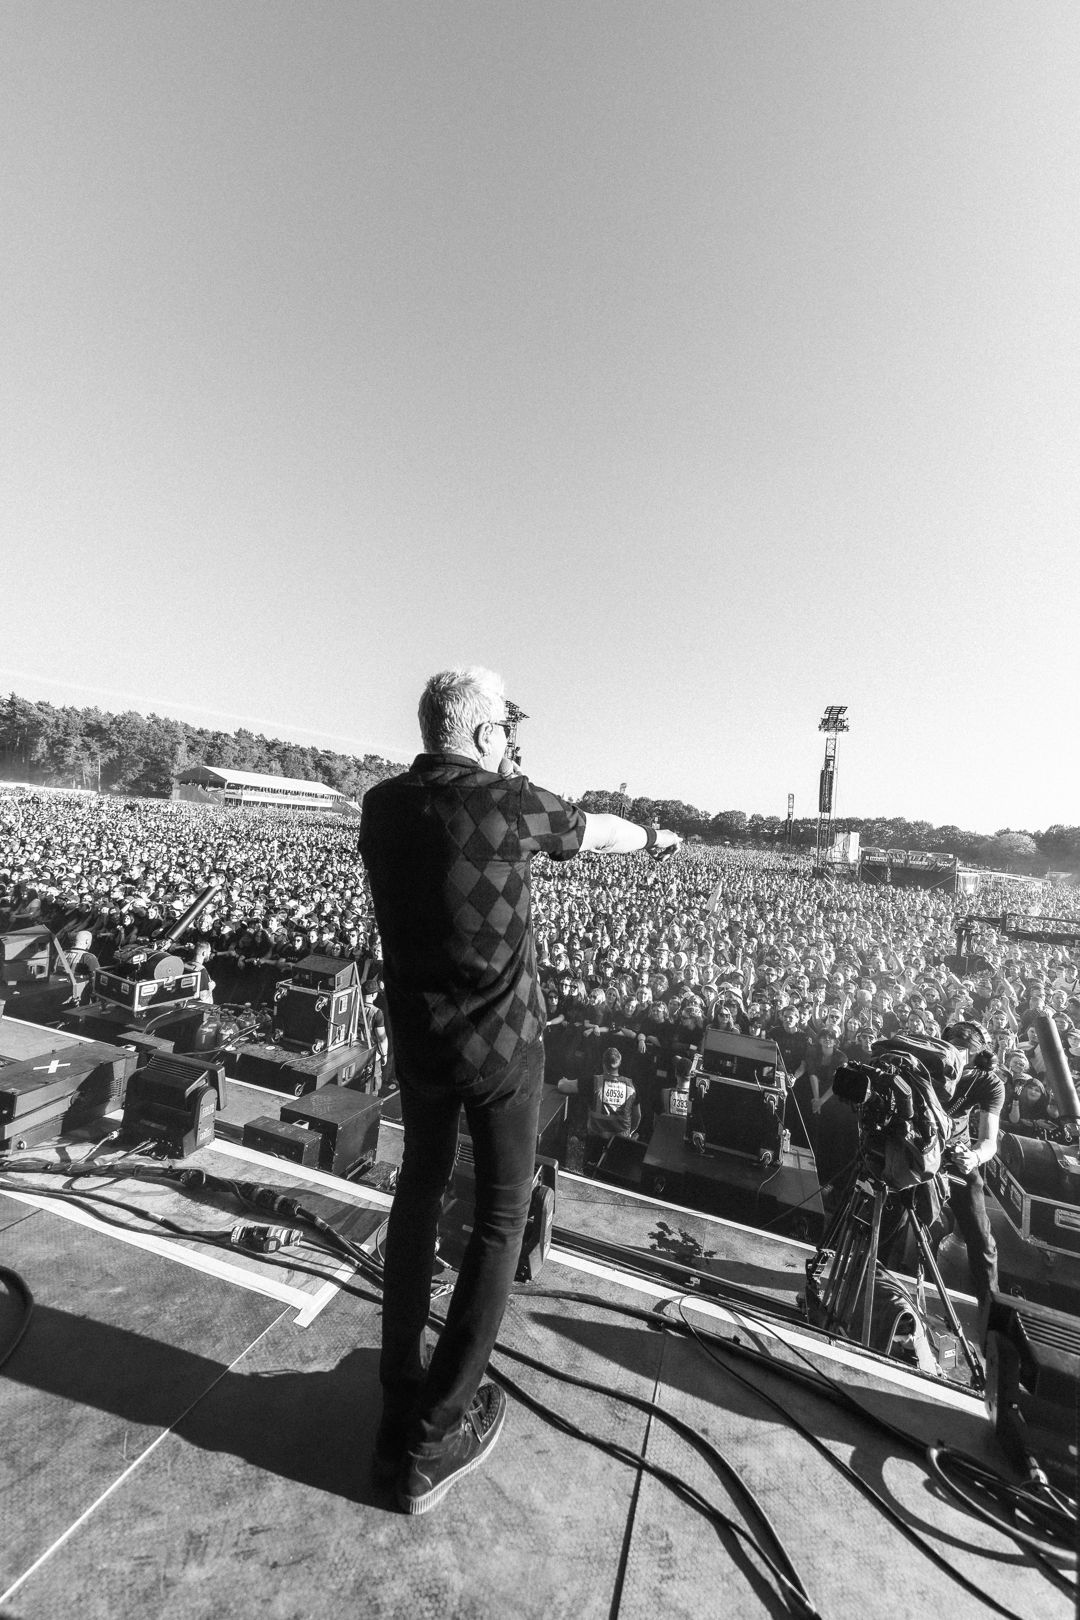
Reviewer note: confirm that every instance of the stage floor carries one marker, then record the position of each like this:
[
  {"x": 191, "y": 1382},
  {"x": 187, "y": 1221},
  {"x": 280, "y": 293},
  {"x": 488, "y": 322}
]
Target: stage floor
[
  {"x": 186, "y": 1439},
  {"x": 189, "y": 1429}
]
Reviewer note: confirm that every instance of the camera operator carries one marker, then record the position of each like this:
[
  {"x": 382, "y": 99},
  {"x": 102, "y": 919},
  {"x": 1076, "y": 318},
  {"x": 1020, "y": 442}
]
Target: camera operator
[
  {"x": 961, "y": 1069},
  {"x": 978, "y": 1086}
]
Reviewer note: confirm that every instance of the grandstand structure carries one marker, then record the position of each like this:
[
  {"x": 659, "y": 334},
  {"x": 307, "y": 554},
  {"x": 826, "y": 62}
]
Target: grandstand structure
[{"x": 221, "y": 784}]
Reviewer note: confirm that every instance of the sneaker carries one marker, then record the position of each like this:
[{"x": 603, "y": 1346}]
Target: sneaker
[{"x": 430, "y": 1470}]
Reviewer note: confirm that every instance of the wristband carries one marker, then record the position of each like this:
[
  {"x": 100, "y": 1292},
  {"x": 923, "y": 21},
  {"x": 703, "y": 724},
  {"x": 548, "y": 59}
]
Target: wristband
[{"x": 650, "y": 837}]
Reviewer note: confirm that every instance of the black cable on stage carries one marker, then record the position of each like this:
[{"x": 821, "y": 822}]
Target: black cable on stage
[
  {"x": 789, "y": 1583},
  {"x": 266, "y": 1198},
  {"x": 94, "y": 1197},
  {"x": 824, "y": 1386},
  {"x": 1052, "y": 1523},
  {"x": 863, "y": 1485},
  {"x": 791, "y": 1590},
  {"x": 18, "y": 1286},
  {"x": 220, "y": 1239},
  {"x": 781, "y": 1567},
  {"x": 1053, "y": 1509},
  {"x": 788, "y": 1576}
]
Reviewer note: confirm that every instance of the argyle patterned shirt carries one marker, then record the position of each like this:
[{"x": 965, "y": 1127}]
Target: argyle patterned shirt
[{"x": 447, "y": 848}]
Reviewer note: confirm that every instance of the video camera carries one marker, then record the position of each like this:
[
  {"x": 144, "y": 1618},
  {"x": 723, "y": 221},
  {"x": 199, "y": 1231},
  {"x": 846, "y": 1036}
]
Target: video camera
[
  {"x": 903, "y": 1127},
  {"x": 882, "y": 1097}
]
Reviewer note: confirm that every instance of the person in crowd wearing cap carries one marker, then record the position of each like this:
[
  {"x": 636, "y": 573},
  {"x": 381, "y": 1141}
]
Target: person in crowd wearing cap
[
  {"x": 448, "y": 848},
  {"x": 374, "y": 1006}
]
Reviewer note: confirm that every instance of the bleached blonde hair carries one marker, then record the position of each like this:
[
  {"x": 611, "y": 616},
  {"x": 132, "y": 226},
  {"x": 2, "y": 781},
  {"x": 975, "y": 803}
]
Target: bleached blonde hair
[{"x": 454, "y": 702}]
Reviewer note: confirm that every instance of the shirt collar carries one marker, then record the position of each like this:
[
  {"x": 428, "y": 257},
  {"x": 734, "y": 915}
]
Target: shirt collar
[{"x": 438, "y": 762}]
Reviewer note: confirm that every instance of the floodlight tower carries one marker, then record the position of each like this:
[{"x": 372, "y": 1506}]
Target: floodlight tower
[{"x": 831, "y": 723}]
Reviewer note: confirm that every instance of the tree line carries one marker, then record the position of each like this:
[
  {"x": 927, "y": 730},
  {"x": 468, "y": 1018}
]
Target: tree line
[
  {"x": 140, "y": 755},
  {"x": 1056, "y": 848}
]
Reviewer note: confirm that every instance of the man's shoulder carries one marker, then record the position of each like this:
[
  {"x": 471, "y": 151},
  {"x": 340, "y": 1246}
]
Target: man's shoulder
[
  {"x": 380, "y": 792},
  {"x": 989, "y": 1092},
  {"x": 427, "y": 774}
]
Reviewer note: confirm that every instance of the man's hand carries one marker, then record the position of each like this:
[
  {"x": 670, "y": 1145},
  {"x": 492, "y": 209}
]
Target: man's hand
[
  {"x": 666, "y": 840},
  {"x": 965, "y": 1159}
]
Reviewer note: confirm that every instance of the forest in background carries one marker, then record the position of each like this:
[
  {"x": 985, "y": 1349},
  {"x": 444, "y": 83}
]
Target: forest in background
[
  {"x": 140, "y": 755},
  {"x": 1057, "y": 848}
]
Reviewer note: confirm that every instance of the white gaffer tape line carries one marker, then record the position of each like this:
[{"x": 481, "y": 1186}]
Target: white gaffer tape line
[
  {"x": 303, "y": 1172},
  {"x": 945, "y": 1394},
  {"x": 310, "y": 1311},
  {"x": 129, "y": 1470},
  {"x": 209, "y": 1264},
  {"x": 306, "y": 1305}
]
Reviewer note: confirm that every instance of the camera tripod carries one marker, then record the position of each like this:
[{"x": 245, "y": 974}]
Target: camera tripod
[{"x": 842, "y": 1273}]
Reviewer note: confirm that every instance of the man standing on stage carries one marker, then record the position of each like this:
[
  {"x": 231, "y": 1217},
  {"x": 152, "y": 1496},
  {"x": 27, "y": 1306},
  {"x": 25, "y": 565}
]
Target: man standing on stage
[{"x": 447, "y": 848}]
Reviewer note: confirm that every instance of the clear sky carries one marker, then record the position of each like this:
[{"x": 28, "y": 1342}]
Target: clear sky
[{"x": 695, "y": 365}]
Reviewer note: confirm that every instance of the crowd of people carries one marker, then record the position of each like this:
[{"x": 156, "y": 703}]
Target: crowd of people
[
  {"x": 509, "y": 949},
  {"x": 636, "y": 958},
  {"x": 644, "y": 960}
]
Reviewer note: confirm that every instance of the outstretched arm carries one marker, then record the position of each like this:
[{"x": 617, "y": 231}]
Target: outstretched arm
[{"x": 614, "y": 835}]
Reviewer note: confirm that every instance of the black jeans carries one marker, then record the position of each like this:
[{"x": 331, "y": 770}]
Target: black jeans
[
  {"x": 502, "y": 1114},
  {"x": 967, "y": 1200}
]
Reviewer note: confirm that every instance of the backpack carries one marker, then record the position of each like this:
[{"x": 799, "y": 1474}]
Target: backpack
[{"x": 938, "y": 1058}]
